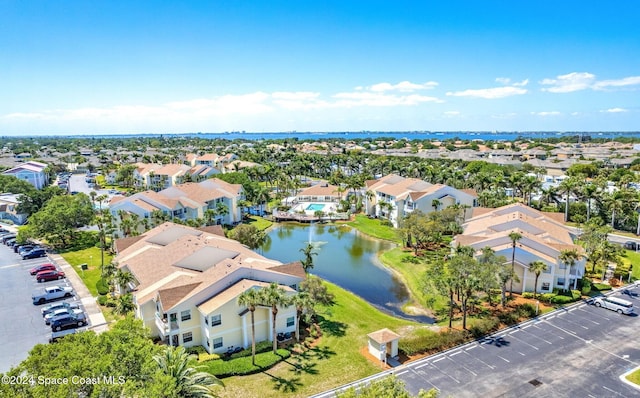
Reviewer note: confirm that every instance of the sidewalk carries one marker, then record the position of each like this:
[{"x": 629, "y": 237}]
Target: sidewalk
[{"x": 97, "y": 321}]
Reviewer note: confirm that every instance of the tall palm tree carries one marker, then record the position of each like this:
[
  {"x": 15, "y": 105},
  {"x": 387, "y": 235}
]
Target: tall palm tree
[
  {"x": 568, "y": 186},
  {"x": 537, "y": 267},
  {"x": 123, "y": 278},
  {"x": 569, "y": 259},
  {"x": 515, "y": 237},
  {"x": 274, "y": 296},
  {"x": 308, "y": 253},
  {"x": 189, "y": 382},
  {"x": 303, "y": 302},
  {"x": 250, "y": 299}
]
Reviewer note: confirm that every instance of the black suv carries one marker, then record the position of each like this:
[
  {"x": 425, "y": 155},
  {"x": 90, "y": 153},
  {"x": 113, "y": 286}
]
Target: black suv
[
  {"x": 67, "y": 322},
  {"x": 34, "y": 253}
]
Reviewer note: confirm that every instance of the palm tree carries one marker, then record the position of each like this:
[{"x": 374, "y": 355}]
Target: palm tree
[
  {"x": 537, "y": 267},
  {"x": 303, "y": 303},
  {"x": 250, "y": 299},
  {"x": 515, "y": 237},
  {"x": 308, "y": 252},
  {"x": 435, "y": 203},
  {"x": 124, "y": 304},
  {"x": 189, "y": 382},
  {"x": 568, "y": 186},
  {"x": 123, "y": 278},
  {"x": 274, "y": 296},
  {"x": 569, "y": 259}
]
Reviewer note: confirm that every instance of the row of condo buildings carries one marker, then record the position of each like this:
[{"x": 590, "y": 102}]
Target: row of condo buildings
[{"x": 187, "y": 280}]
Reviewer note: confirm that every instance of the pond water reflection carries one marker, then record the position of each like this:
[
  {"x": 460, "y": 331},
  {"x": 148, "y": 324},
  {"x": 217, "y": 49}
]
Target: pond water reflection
[{"x": 345, "y": 257}]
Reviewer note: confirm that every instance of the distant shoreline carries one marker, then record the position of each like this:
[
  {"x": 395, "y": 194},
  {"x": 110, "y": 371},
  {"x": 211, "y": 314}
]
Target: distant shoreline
[{"x": 410, "y": 135}]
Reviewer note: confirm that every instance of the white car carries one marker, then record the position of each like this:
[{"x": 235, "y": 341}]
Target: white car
[
  {"x": 51, "y": 293},
  {"x": 58, "y": 306}
]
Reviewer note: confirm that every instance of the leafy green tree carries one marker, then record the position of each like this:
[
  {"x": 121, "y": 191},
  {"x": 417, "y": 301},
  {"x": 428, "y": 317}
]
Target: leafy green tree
[
  {"x": 58, "y": 220},
  {"x": 125, "y": 351},
  {"x": 317, "y": 291},
  {"x": 387, "y": 387},
  {"x": 124, "y": 304},
  {"x": 249, "y": 236},
  {"x": 304, "y": 305}
]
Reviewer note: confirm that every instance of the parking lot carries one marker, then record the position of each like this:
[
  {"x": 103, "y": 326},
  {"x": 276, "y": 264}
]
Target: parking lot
[{"x": 22, "y": 324}]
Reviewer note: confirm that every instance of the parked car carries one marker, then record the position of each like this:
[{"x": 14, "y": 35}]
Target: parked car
[
  {"x": 49, "y": 275},
  {"x": 51, "y": 293},
  {"x": 35, "y": 253},
  {"x": 43, "y": 267},
  {"x": 58, "y": 306},
  {"x": 23, "y": 247},
  {"x": 10, "y": 242},
  {"x": 57, "y": 314},
  {"x": 55, "y": 336},
  {"x": 27, "y": 249},
  {"x": 630, "y": 245},
  {"x": 7, "y": 237},
  {"x": 67, "y": 322}
]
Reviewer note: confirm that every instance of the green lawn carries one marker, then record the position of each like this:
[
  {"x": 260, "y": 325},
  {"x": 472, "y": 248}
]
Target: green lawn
[
  {"x": 372, "y": 227},
  {"x": 258, "y": 222},
  {"x": 634, "y": 258},
  {"x": 634, "y": 377},
  {"x": 91, "y": 257},
  {"x": 336, "y": 360}
]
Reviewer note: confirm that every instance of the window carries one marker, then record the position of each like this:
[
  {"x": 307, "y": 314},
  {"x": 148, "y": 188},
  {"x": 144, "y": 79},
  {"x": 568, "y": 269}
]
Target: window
[
  {"x": 185, "y": 315},
  {"x": 291, "y": 321},
  {"x": 187, "y": 337},
  {"x": 217, "y": 343},
  {"x": 216, "y": 320},
  {"x": 545, "y": 286},
  {"x": 562, "y": 265},
  {"x": 560, "y": 282}
]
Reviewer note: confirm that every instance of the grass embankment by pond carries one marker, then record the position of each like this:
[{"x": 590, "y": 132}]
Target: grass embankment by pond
[
  {"x": 374, "y": 227},
  {"x": 334, "y": 361}
]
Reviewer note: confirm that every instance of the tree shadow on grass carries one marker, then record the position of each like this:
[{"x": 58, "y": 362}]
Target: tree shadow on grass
[
  {"x": 332, "y": 328},
  {"x": 322, "y": 352},
  {"x": 300, "y": 366},
  {"x": 285, "y": 385}
]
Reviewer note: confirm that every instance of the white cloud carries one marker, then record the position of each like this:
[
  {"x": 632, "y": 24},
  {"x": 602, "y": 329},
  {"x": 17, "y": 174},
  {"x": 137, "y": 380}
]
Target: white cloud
[
  {"x": 451, "y": 113},
  {"x": 506, "y": 81},
  {"x": 615, "y": 110},
  {"x": 404, "y": 87},
  {"x": 627, "y": 81},
  {"x": 570, "y": 82},
  {"x": 577, "y": 81},
  {"x": 489, "y": 93},
  {"x": 547, "y": 113},
  {"x": 350, "y": 99}
]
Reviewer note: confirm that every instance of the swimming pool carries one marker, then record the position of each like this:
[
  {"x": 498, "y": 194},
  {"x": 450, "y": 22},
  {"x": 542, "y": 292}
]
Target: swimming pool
[{"x": 315, "y": 207}]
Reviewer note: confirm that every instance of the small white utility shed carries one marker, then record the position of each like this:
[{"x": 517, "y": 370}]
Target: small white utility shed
[{"x": 383, "y": 343}]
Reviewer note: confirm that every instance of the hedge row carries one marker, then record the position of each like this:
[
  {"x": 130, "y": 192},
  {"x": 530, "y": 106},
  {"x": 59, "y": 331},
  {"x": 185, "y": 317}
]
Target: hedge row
[{"x": 243, "y": 365}]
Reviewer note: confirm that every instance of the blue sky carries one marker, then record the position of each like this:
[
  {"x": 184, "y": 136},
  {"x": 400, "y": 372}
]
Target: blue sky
[{"x": 77, "y": 67}]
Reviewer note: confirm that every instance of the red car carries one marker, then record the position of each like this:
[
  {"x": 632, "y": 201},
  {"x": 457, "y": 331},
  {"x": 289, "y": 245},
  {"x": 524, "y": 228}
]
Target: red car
[
  {"x": 50, "y": 275},
  {"x": 43, "y": 267}
]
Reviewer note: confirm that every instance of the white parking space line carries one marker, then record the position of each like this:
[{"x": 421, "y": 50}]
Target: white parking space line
[
  {"x": 613, "y": 391},
  {"x": 455, "y": 353},
  {"x": 401, "y": 373},
  {"x": 504, "y": 359},
  {"x": 9, "y": 266},
  {"x": 422, "y": 366},
  {"x": 439, "y": 359},
  {"x": 478, "y": 359},
  {"x": 470, "y": 348}
]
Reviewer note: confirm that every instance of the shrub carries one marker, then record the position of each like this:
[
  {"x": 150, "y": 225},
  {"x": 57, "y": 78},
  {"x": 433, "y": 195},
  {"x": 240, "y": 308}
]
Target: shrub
[
  {"x": 600, "y": 287},
  {"x": 262, "y": 346},
  {"x": 102, "y": 287},
  {"x": 586, "y": 286},
  {"x": 546, "y": 297},
  {"x": 484, "y": 326},
  {"x": 431, "y": 341},
  {"x": 509, "y": 318},
  {"x": 527, "y": 295},
  {"x": 410, "y": 259},
  {"x": 243, "y": 365},
  {"x": 614, "y": 282},
  {"x": 102, "y": 300},
  {"x": 526, "y": 310}
]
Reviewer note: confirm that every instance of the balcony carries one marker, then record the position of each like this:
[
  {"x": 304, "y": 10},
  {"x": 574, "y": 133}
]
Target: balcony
[{"x": 164, "y": 326}]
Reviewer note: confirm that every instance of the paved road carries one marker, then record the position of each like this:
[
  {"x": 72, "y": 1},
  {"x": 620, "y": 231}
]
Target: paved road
[{"x": 578, "y": 352}]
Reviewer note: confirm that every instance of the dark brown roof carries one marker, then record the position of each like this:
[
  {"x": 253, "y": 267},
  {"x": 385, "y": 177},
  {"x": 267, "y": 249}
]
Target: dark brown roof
[
  {"x": 123, "y": 243},
  {"x": 294, "y": 268},
  {"x": 213, "y": 229},
  {"x": 170, "y": 297}
]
